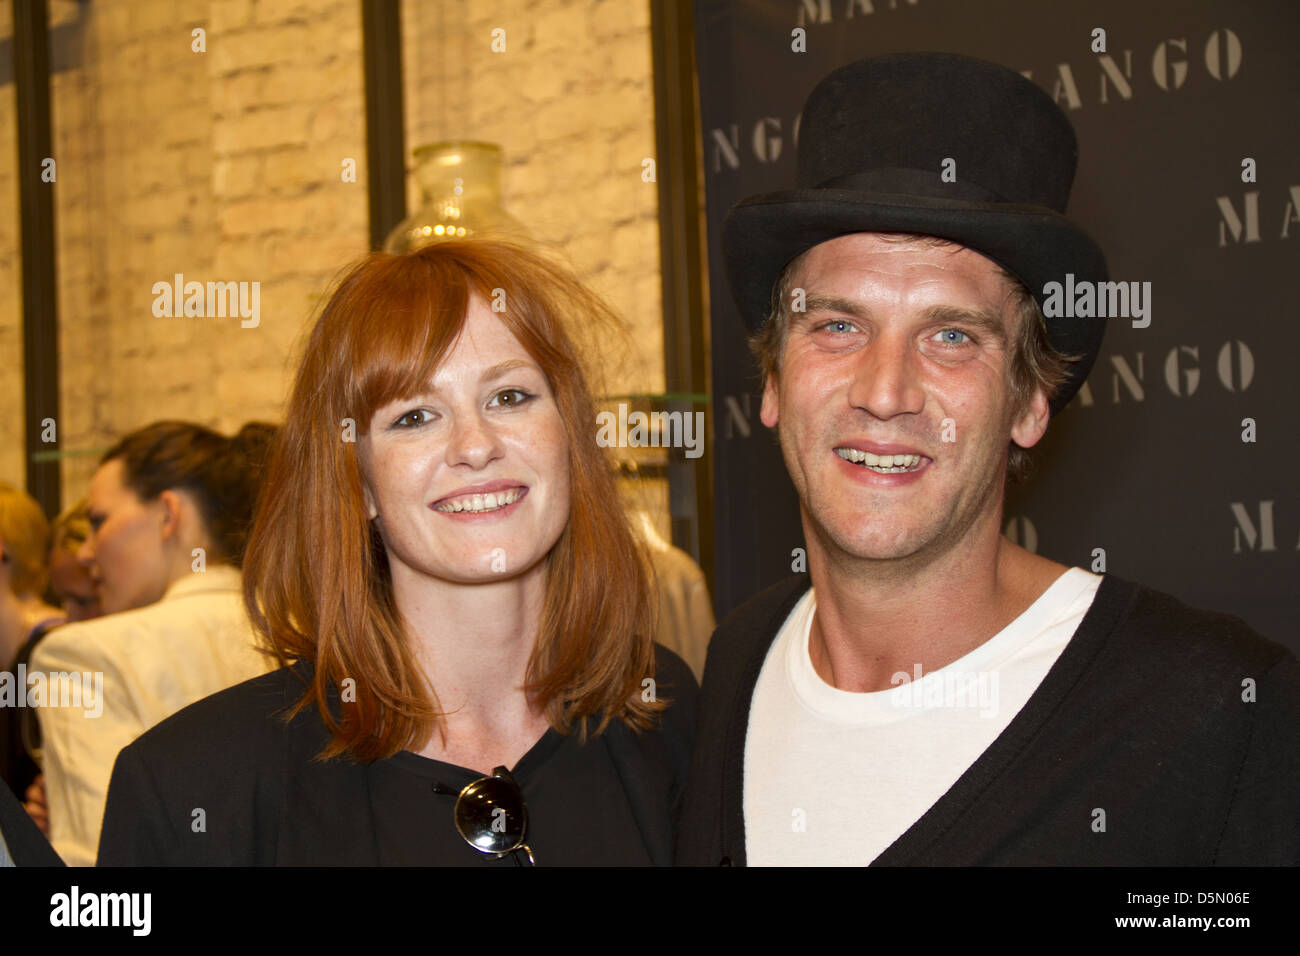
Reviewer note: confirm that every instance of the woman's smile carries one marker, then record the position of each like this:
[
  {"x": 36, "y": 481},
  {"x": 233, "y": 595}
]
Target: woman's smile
[
  {"x": 485, "y": 449},
  {"x": 493, "y": 498}
]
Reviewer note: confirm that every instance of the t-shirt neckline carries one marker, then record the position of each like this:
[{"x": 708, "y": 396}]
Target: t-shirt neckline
[{"x": 831, "y": 703}]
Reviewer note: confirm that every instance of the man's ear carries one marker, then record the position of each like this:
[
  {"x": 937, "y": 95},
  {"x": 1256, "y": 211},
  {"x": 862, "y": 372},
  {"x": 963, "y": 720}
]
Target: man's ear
[
  {"x": 769, "y": 412},
  {"x": 1028, "y": 429}
]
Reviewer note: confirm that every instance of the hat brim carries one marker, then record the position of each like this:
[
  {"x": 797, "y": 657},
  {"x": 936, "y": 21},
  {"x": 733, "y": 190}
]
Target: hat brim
[{"x": 1037, "y": 245}]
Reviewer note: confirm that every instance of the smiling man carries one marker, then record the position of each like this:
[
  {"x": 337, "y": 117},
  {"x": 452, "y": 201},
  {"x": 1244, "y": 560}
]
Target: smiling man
[{"x": 940, "y": 695}]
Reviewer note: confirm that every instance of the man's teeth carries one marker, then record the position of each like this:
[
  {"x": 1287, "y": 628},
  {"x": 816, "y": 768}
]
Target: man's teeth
[
  {"x": 474, "y": 503},
  {"x": 883, "y": 464}
]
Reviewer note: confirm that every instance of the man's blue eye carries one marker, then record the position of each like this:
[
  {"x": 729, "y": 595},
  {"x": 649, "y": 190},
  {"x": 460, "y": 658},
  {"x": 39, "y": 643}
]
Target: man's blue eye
[
  {"x": 953, "y": 337},
  {"x": 839, "y": 326}
]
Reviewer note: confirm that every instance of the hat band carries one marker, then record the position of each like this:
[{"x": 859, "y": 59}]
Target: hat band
[{"x": 914, "y": 182}]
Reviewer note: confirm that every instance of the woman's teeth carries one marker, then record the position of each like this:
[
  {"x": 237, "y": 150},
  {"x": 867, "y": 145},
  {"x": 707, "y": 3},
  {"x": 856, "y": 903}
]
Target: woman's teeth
[
  {"x": 479, "y": 503},
  {"x": 881, "y": 464}
]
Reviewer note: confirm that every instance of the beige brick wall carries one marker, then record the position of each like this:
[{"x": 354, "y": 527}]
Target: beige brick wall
[
  {"x": 225, "y": 165},
  {"x": 221, "y": 165},
  {"x": 571, "y": 104}
]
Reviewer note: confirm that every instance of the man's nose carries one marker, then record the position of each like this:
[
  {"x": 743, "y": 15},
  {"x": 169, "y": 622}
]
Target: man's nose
[
  {"x": 86, "y": 553},
  {"x": 887, "y": 378},
  {"x": 474, "y": 441}
]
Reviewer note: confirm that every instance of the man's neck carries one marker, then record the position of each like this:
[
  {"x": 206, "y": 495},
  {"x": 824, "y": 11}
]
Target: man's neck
[{"x": 874, "y": 621}]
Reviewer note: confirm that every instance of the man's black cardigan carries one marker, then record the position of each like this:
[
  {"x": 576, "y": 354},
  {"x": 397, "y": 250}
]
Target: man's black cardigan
[{"x": 1147, "y": 714}]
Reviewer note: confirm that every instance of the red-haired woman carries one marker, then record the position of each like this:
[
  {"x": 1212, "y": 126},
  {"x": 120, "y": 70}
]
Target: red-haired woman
[{"x": 440, "y": 562}]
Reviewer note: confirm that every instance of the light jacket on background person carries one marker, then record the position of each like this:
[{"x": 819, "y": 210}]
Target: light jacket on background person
[{"x": 154, "y": 661}]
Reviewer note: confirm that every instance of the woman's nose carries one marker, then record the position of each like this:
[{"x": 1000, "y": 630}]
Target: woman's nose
[{"x": 474, "y": 441}]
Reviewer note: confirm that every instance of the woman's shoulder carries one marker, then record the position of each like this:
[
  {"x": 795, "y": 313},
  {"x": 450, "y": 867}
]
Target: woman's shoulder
[
  {"x": 675, "y": 682},
  {"x": 252, "y": 715},
  {"x": 654, "y": 762},
  {"x": 675, "y": 687},
  {"x": 217, "y": 768}
]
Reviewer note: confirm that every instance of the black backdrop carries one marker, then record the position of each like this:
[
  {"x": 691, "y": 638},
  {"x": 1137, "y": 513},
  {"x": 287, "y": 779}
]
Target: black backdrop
[{"x": 1148, "y": 463}]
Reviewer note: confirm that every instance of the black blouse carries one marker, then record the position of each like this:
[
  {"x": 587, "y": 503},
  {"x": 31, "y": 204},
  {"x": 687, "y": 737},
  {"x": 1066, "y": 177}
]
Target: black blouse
[
  {"x": 226, "y": 782},
  {"x": 578, "y": 814}
]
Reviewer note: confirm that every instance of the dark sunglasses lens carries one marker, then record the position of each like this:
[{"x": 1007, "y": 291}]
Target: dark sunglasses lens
[{"x": 490, "y": 815}]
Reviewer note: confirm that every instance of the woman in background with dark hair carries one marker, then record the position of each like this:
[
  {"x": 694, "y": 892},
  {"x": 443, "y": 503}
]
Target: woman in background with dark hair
[
  {"x": 441, "y": 561},
  {"x": 170, "y": 507}
]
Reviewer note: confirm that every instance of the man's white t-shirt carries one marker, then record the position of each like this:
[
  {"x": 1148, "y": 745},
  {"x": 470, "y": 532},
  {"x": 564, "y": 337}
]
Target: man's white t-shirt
[{"x": 834, "y": 777}]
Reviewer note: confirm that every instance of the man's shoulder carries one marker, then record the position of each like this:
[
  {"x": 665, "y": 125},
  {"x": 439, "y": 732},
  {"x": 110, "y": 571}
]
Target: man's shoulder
[
  {"x": 1139, "y": 647},
  {"x": 1171, "y": 631},
  {"x": 765, "y": 611},
  {"x": 750, "y": 628}
]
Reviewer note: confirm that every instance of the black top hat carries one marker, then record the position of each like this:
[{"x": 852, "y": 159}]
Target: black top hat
[{"x": 873, "y": 141}]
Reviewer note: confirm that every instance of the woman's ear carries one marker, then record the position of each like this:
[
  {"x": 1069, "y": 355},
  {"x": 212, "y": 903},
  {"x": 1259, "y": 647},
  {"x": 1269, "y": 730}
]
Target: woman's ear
[
  {"x": 363, "y": 453},
  {"x": 170, "y": 506}
]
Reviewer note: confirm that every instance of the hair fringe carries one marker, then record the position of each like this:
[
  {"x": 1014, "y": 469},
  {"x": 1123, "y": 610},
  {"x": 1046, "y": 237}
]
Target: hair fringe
[{"x": 316, "y": 579}]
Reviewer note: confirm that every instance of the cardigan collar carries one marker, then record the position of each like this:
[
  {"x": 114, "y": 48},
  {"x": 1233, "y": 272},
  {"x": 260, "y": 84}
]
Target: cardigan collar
[{"x": 1114, "y": 600}]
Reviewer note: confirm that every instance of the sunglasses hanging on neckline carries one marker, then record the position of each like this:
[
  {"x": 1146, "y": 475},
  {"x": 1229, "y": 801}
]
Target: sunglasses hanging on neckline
[{"x": 491, "y": 816}]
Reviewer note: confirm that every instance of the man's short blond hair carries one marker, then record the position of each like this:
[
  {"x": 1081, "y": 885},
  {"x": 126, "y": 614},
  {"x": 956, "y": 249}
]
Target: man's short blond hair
[{"x": 1034, "y": 362}]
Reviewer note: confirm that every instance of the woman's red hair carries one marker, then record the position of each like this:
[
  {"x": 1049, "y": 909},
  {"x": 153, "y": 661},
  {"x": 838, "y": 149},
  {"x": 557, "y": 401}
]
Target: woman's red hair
[{"x": 316, "y": 575}]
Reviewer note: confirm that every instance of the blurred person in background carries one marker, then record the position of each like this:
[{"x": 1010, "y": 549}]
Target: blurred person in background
[
  {"x": 441, "y": 561},
  {"x": 169, "y": 509},
  {"x": 71, "y": 583},
  {"x": 24, "y": 617},
  {"x": 24, "y": 551},
  {"x": 72, "y": 587}
]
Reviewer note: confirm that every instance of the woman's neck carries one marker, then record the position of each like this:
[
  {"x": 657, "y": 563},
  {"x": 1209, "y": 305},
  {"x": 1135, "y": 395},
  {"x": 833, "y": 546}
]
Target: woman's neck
[
  {"x": 472, "y": 639},
  {"x": 473, "y": 643}
]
